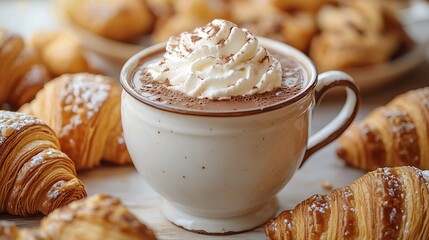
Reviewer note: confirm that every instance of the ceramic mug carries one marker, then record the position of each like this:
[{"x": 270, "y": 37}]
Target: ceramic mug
[{"x": 219, "y": 172}]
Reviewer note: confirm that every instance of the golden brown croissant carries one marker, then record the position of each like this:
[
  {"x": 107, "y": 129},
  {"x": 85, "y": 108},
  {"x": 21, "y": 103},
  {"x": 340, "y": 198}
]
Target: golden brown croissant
[
  {"x": 35, "y": 175},
  {"x": 388, "y": 203},
  {"x": 396, "y": 134},
  {"x": 84, "y": 111},
  {"x": 97, "y": 217},
  {"x": 21, "y": 72}
]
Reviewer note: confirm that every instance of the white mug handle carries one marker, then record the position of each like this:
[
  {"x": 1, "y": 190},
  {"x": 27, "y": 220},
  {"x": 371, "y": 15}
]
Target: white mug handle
[{"x": 339, "y": 124}]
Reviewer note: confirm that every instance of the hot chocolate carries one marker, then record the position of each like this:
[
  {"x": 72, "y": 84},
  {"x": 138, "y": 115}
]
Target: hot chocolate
[
  {"x": 293, "y": 80},
  {"x": 219, "y": 67}
]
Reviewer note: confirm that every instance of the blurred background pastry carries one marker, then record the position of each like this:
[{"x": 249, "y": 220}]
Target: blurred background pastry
[
  {"x": 22, "y": 74},
  {"x": 303, "y": 5},
  {"x": 60, "y": 51},
  {"x": 356, "y": 33},
  {"x": 186, "y": 15},
  {"x": 161, "y": 8},
  {"x": 115, "y": 19},
  {"x": 397, "y": 5},
  {"x": 336, "y": 34},
  {"x": 265, "y": 19}
]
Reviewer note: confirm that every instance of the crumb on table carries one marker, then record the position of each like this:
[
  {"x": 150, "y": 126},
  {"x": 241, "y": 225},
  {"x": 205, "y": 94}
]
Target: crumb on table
[{"x": 327, "y": 185}]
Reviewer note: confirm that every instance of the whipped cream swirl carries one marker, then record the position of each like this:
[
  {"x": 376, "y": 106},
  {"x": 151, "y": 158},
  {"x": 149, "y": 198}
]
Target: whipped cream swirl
[{"x": 217, "y": 61}]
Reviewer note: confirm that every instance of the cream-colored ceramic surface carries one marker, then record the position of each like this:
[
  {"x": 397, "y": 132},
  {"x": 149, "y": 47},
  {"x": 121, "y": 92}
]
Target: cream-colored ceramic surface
[
  {"x": 344, "y": 117},
  {"x": 215, "y": 167},
  {"x": 217, "y": 173},
  {"x": 232, "y": 224}
]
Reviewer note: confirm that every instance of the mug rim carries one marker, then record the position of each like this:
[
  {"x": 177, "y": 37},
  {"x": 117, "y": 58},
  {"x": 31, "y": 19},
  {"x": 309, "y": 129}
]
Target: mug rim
[{"x": 130, "y": 66}]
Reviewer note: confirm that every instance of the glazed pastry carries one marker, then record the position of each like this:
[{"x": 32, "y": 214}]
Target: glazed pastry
[
  {"x": 388, "y": 203},
  {"x": 187, "y": 15},
  {"x": 356, "y": 33},
  {"x": 396, "y": 134},
  {"x": 93, "y": 218},
  {"x": 21, "y": 72},
  {"x": 61, "y": 52},
  {"x": 266, "y": 20},
  {"x": 35, "y": 176},
  {"x": 84, "y": 111},
  {"x": 115, "y": 19}
]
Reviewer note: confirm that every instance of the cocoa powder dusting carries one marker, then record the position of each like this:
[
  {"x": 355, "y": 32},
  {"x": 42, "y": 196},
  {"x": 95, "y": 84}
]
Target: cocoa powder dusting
[
  {"x": 195, "y": 38},
  {"x": 221, "y": 42}
]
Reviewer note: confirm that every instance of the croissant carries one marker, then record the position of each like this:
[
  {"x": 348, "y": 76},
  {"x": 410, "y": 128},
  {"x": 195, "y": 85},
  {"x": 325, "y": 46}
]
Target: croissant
[
  {"x": 396, "y": 134},
  {"x": 388, "y": 203},
  {"x": 34, "y": 175},
  {"x": 96, "y": 217},
  {"x": 22, "y": 74},
  {"x": 84, "y": 111}
]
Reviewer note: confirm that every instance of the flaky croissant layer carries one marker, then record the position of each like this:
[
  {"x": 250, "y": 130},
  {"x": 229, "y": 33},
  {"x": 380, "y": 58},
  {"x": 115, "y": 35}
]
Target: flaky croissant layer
[
  {"x": 388, "y": 203},
  {"x": 35, "y": 176}
]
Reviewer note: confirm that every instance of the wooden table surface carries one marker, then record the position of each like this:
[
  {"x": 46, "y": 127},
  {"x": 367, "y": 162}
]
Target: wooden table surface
[{"x": 127, "y": 184}]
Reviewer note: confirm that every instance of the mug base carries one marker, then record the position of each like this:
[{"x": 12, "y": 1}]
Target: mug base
[{"x": 218, "y": 225}]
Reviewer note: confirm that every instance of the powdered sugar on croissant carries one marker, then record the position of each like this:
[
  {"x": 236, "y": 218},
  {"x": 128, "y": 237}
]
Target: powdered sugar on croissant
[{"x": 84, "y": 111}]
